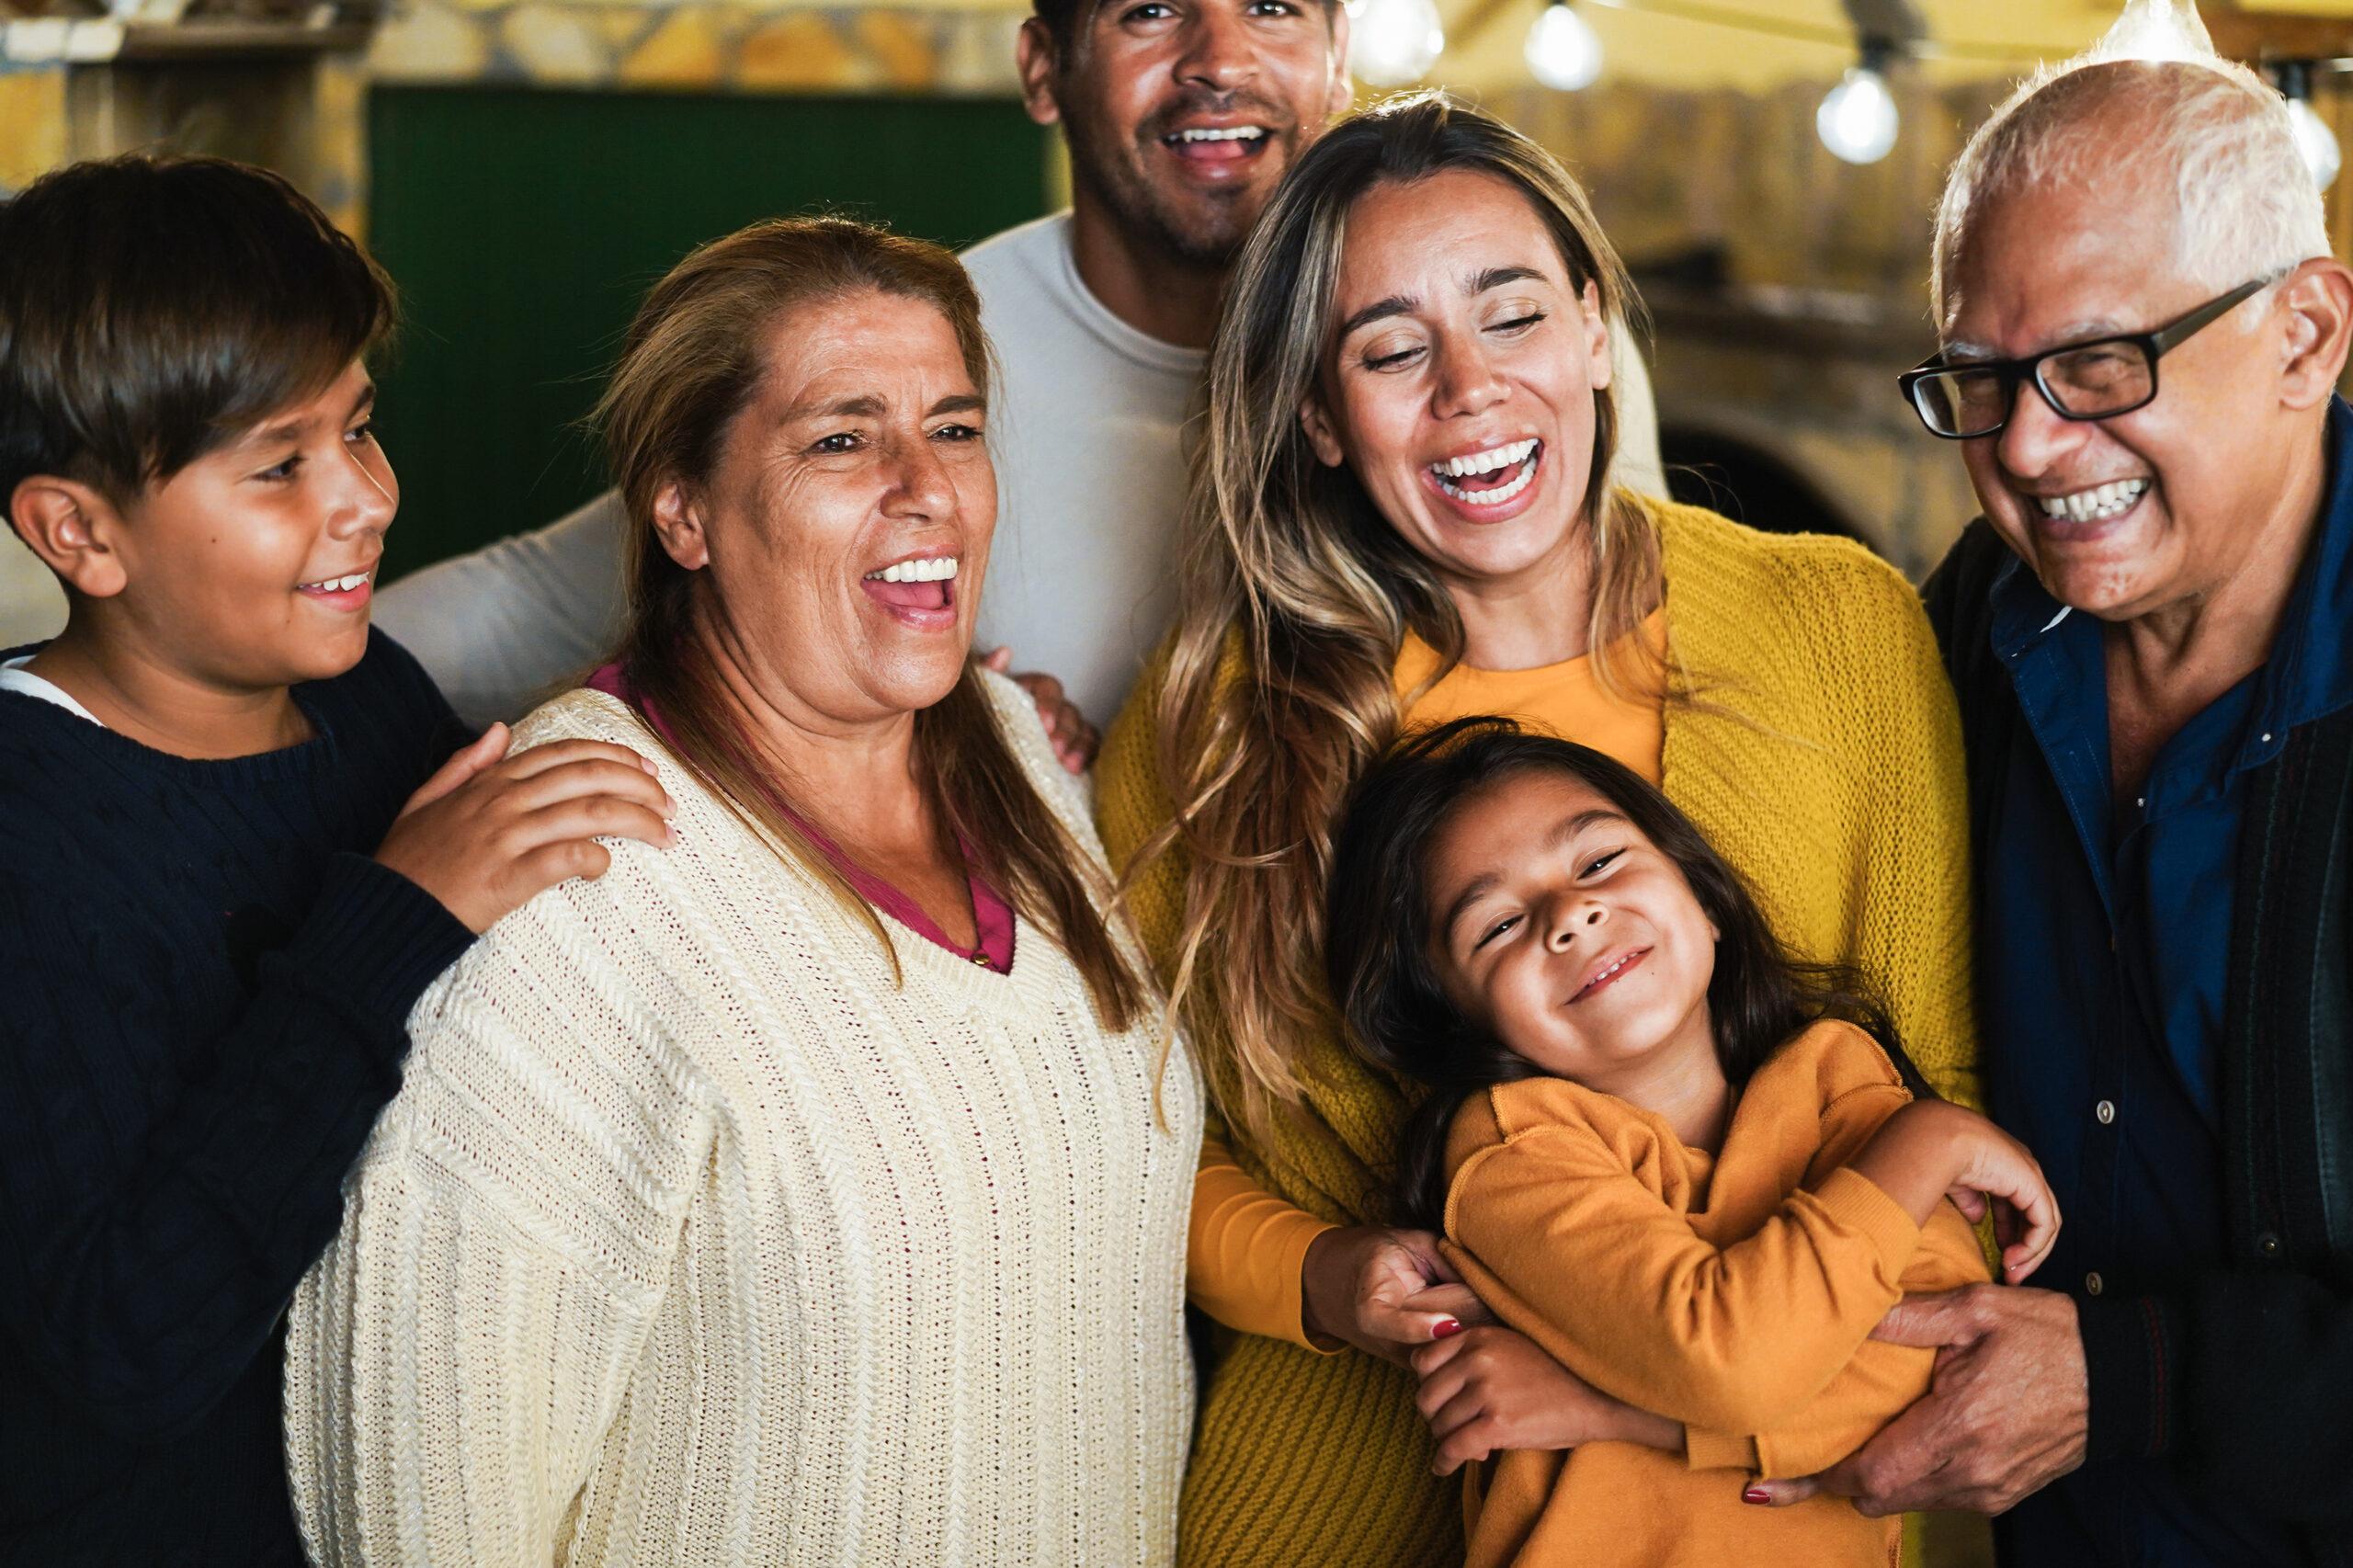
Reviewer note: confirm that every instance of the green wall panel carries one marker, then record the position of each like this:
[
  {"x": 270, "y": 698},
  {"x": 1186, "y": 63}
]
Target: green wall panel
[{"x": 523, "y": 227}]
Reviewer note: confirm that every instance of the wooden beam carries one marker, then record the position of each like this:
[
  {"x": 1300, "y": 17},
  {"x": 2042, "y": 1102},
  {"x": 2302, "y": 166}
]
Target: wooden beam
[
  {"x": 2252, "y": 36},
  {"x": 56, "y": 41}
]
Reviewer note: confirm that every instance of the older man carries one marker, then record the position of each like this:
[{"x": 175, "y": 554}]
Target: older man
[
  {"x": 1180, "y": 115},
  {"x": 2151, "y": 630}
]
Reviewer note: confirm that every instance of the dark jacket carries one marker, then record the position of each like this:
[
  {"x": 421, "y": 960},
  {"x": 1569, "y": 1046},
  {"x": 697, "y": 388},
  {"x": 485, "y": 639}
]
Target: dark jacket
[{"x": 2242, "y": 1382}]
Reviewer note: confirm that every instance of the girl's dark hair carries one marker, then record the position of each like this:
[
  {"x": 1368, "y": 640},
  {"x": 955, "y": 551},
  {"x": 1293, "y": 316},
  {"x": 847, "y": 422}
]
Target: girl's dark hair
[{"x": 1381, "y": 962}]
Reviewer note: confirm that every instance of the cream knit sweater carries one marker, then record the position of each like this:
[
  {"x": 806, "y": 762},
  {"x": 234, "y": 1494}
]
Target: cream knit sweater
[{"x": 693, "y": 1240}]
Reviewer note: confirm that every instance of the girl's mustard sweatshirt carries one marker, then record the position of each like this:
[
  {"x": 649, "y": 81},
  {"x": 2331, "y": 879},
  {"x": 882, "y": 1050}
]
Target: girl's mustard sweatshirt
[{"x": 1734, "y": 1293}]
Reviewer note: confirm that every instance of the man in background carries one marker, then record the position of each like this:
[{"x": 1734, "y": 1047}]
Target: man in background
[{"x": 1181, "y": 117}]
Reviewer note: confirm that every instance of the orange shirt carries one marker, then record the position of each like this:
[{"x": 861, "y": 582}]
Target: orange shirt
[
  {"x": 1565, "y": 699},
  {"x": 1245, "y": 1249},
  {"x": 1733, "y": 1293}
]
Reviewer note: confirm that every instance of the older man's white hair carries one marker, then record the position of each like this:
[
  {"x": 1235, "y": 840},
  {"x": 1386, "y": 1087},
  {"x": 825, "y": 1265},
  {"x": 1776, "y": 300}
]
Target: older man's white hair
[{"x": 2209, "y": 131}]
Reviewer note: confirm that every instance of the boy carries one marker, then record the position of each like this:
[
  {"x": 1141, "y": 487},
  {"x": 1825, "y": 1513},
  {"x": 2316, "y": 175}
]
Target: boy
[{"x": 235, "y": 844}]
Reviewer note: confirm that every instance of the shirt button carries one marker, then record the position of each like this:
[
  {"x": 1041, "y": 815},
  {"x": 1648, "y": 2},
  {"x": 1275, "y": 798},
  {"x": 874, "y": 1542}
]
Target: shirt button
[
  {"x": 2105, "y": 1112},
  {"x": 2141, "y": 801},
  {"x": 2268, "y": 1244},
  {"x": 2267, "y": 737},
  {"x": 2092, "y": 1285}
]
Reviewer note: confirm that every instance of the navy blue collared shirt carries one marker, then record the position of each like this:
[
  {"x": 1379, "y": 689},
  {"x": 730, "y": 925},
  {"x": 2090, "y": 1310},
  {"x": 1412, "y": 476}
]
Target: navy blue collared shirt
[{"x": 2104, "y": 956}]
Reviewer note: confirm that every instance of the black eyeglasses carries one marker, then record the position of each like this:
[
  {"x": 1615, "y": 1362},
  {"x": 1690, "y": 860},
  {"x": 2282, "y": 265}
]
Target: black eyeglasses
[{"x": 2096, "y": 378}]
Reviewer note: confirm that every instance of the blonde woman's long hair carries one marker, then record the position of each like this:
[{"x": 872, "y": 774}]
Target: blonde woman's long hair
[{"x": 1292, "y": 575}]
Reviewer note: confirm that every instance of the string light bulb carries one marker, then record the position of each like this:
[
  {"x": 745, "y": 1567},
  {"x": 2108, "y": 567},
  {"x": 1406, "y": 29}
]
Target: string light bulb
[
  {"x": 1392, "y": 42},
  {"x": 2313, "y": 138},
  {"x": 1563, "y": 50},
  {"x": 2158, "y": 30},
  {"x": 1858, "y": 120}
]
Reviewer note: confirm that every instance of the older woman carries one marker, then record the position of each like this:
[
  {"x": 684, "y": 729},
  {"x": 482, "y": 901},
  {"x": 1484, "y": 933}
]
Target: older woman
[
  {"x": 812, "y": 1191},
  {"x": 1403, "y": 513}
]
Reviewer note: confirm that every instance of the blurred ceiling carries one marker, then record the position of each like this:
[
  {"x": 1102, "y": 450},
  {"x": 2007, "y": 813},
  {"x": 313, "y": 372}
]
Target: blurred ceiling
[
  {"x": 1654, "y": 41},
  {"x": 1696, "y": 43}
]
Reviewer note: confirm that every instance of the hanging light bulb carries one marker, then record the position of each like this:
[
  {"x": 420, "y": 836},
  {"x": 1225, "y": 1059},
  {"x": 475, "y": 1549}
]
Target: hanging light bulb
[
  {"x": 2156, "y": 30},
  {"x": 2313, "y": 138},
  {"x": 2316, "y": 143},
  {"x": 1562, "y": 51},
  {"x": 1392, "y": 42},
  {"x": 1857, "y": 120}
]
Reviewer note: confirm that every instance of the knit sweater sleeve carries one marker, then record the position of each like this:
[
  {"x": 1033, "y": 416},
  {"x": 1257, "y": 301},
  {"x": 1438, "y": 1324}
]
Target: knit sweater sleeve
[
  {"x": 1244, "y": 1250},
  {"x": 1570, "y": 1247},
  {"x": 1246, "y": 1247},
  {"x": 459, "y": 1352},
  {"x": 1822, "y": 755},
  {"x": 1910, "y": 910},
  {"x": 151, "y": 1240},
  {"x": 1132, "y": 804}
]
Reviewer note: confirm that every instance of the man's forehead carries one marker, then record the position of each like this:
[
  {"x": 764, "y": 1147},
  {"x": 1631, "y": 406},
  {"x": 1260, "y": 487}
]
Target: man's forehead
[{"x": 2061, "y": 263}]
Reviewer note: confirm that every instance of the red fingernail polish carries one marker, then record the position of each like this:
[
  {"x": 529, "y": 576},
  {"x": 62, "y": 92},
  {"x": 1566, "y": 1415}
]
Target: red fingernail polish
[
  {"x": 1446, "y": 1330},
  {"x": 1756, "y": 1494}
]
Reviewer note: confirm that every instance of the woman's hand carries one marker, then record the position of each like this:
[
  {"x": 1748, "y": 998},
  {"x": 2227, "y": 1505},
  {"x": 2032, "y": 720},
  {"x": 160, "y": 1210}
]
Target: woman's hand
[
  {"x": 484, "y": 835},
  {"x": 1490, "y": 1390},
  {"x": 1386, "y": 1292},
  {"x": 1074, "y": 739}
]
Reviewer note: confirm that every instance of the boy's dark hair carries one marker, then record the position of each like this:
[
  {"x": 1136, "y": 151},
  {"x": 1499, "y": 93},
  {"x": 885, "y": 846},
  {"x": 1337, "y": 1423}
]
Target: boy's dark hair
[
  {"x": 1378, "y": 956},
  {"x": 153, "y": 308}
]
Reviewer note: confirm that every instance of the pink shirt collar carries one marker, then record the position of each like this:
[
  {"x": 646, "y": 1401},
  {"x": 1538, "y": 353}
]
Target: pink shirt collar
[{"x": 991, "y": 913}]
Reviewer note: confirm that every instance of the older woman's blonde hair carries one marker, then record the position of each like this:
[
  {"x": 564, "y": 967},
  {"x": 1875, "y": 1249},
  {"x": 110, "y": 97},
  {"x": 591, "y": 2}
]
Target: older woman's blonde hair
[
  {"x": 1297, "y": 594},
  {"x": 692, "y": 362}
]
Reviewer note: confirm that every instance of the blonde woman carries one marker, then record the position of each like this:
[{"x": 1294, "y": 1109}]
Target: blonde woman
[
  {"x": 811, "y": 1192},
  {"x": 1403, "y": 513}
]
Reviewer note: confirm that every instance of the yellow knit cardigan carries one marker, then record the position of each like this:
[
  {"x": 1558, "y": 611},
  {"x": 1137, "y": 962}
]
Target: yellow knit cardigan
[{"x": 1811, "y": 734}]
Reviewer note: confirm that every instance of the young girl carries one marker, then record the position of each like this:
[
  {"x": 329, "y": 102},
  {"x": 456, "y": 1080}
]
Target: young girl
[{"x": 1692, "y": 1170}]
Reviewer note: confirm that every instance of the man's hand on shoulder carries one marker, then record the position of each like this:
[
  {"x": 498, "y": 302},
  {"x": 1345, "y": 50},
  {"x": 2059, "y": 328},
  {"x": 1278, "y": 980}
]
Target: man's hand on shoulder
[
  {"x": 2004, "y": 1417},
  {"x": 1074, "y": 739}
]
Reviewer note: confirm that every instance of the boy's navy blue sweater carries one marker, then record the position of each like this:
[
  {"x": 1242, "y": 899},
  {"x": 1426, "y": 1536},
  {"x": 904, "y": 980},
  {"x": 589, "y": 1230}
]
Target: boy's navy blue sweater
[{"x": 204, "y": 991}]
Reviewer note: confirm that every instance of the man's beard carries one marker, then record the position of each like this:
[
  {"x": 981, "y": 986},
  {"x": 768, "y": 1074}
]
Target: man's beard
[{"x": 1152, "y": 224}]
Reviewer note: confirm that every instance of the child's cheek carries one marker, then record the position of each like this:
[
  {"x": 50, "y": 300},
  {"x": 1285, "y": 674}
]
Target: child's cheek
[{"x": 1523, "y": 1014}]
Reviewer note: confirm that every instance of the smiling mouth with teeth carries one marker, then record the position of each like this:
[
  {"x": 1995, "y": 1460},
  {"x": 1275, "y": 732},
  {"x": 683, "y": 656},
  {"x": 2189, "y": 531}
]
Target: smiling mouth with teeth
[
  {"x": 922, "y": 583},
  {"x": 1489, "y": 478},
  {"x": 1217, "y": 144},
  {"x": 1615, "y": 967},
  {"x": 931, "y": 569},
  {"x": 2096, "y": 504},
  {"x": 342, "y": 584}
]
